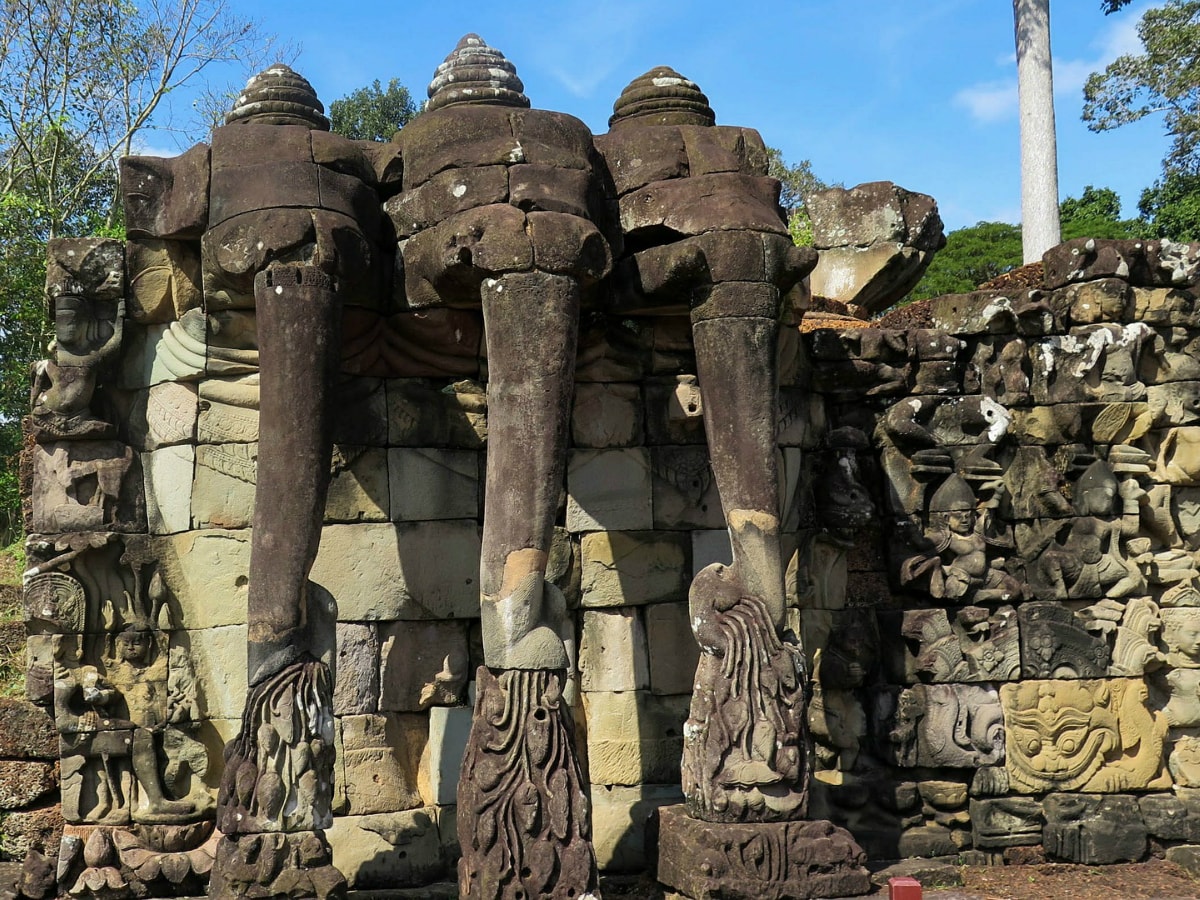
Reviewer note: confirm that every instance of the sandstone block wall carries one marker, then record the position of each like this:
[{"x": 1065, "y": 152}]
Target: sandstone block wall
[
  {"x": 992, "y": 518},
  {"x": 1006, "y": 657}
]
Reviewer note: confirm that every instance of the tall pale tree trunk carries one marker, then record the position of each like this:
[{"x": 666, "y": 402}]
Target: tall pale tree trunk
[{"x": 1039, "y": 152}]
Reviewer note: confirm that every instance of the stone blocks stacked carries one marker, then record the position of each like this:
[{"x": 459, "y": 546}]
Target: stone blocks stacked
[{"x": 1008, "y": 661}]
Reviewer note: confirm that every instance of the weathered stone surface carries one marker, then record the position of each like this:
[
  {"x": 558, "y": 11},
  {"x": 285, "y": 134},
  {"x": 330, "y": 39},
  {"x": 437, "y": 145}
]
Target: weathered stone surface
[
  {"x": 973, "y": 645},
  {"x": 609, "y": 490},
  {"x": 28, "y": 731},
  {"x": 449, "y": 728},
  {"x": 1142, "y": 263},
  {"x": 449, "y": 192},
  {"x": 23, "y": 782},
  {"x": 218, "y": 655},
  {"x": 358, "y": 488},
  {"x": 422, "y": 415},
  {"x": 692, "y": 206},
  {"x": 606, "y": 415},
  {"x": 379, "y": 572},
  {"x": 759, "y": 861},
  {"x": 433, "y": 484},
  {"x": 875, "y": 241},
  {"x": 166, "y": 198},
  {"x": 506, "y": 759},
  {"x": 162, "y": 416},
  {"x": 164, "y": 279},
  {"x": 684, "y": 489},
  {"x": 638, "y": 157},
  {"x": 673, "y": 650},
  {"x": 612, "y": 651},
  {"x": 1168, "y": 818},
  {"x": 380, "y": 760},
  {"x": 86, "y": 486},
  {"x": 206, "y": 573},
  {"x": 168, "y": 473},
  {"x": 1006, "y": 822},
  {"x": 38, "y": 828},
  {"x": 228, "y": 411},
  {"x": 634, "y": 737},
  {"x": 356, "y": 688},
  {"x": 397, "y": 849},
  {"x": 224, "y": 487},
  {"x": 631, "y": 568},
  {"x": 1093, "y": 830},
  {"x": 942, "y": 725},
  {"x": 619, "y": 822},
  {"x": 295, "y": 865},
  {"x": 424, "y": 664}
]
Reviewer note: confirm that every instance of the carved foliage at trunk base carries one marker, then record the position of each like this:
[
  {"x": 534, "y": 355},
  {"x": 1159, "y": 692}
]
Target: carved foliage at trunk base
[{"x": 523, "y": 813}]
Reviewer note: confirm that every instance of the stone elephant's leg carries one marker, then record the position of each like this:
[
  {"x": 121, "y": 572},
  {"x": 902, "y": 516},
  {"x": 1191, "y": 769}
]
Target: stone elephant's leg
[
  {"x": 744, "y": 754},
  {"x": 736, "y": 365},
  {"x": 523, "y": 813},
  {"x": 276, "y": 791},
  {"x": 298, "y": 322},
  {"x": 531, "y": 320}
]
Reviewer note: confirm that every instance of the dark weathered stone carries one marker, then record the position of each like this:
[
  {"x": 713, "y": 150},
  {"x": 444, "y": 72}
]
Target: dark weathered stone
[
  {"x": 293, "y": 866},
  {"x": 28, "y": 731},
  {"x": 166, "y": 198},
  {"x": 444, "y": 194},
  {"x": 703, "y": 860},
  {"x": 23, "y": 782},
  {"x": 568, "y": 245},
  {"x": 637, "y": 157},
  {"x": 1167, "y": 818},
  {"x": 463, "y": 137},
  {"x": 1055, "y": 644},
  {"x": 446, "y": 264},
  {"x": 1093, "y": 830},
  {"x": 1089, "y": 259},
  {"x": 661, "y": 97},
  {"x": 474, "y": 73},
  {"x": 723, "y": 148},
  {"x": 547, "y": 852},
  {"x": 725, "y": 202},
  {"x": 273, "y": 784},
  {"x": 1006, "y": 822},
  {"x": 749, "y": 682},
  {"x": 529, "y": 392}
]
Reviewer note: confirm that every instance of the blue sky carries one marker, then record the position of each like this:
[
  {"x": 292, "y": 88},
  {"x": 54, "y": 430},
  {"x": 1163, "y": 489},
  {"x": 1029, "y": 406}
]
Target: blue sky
[{"x": 922, "y": 94}]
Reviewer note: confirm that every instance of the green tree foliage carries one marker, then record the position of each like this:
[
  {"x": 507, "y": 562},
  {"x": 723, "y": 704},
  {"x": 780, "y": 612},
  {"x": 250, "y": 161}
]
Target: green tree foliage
[
  {"x": 1171, "y": 207},
  {"x": 981, "y": 252},
  {"x": 1163, "y": 79},
  {"x": 971, "y": 256},
  {"x": 796, "y": 182},
  {"x": 373, "y": 113}
]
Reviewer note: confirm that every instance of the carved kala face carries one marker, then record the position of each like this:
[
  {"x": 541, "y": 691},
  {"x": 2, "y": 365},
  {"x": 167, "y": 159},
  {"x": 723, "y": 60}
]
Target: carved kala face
[{"x": 1060, "y": 738}]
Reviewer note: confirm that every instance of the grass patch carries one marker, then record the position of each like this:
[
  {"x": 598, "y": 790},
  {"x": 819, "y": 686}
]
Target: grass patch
[{"x": 12, "y": 621}]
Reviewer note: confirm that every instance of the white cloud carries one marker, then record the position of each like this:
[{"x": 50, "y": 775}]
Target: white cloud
[
  {"x": 583, "y": 44},
  {"x": 991, "y": 101}
]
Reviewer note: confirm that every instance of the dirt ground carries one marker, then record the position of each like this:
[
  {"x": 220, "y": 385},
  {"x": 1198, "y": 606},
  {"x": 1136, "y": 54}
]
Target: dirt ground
[{"x": 1152, "y": 880}]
